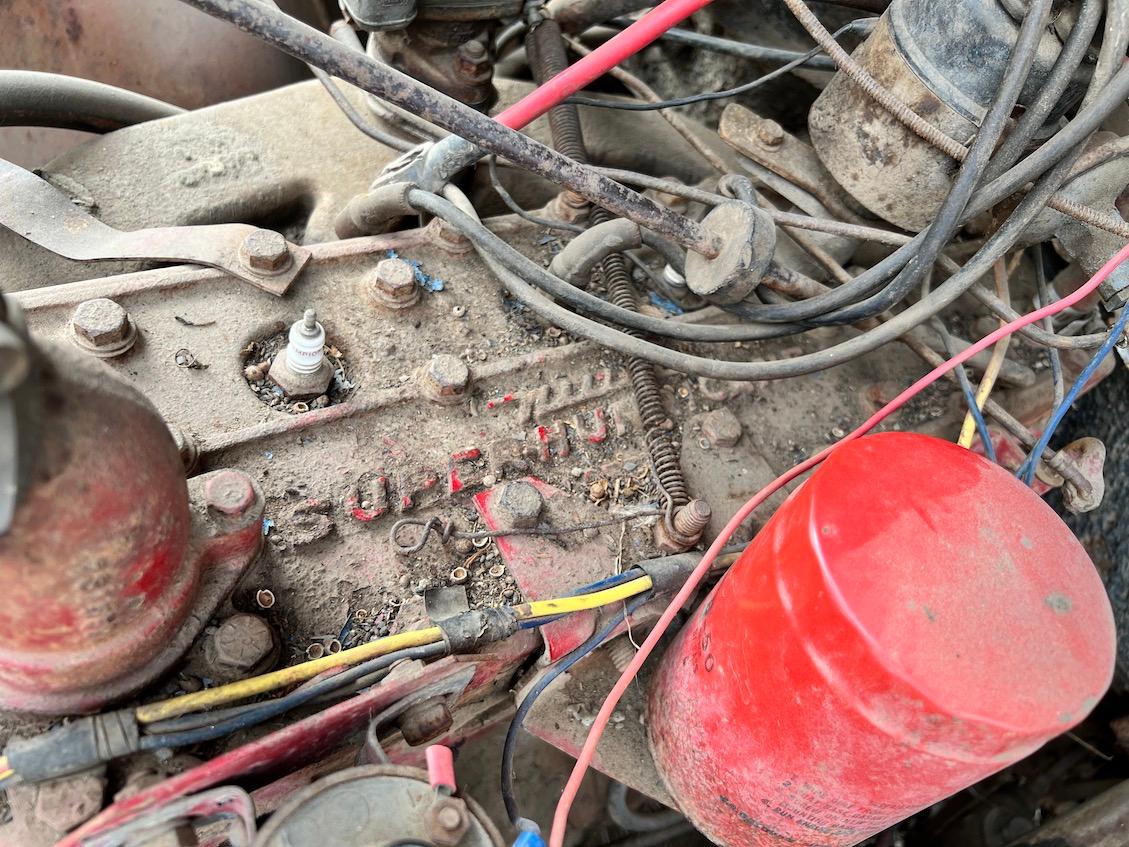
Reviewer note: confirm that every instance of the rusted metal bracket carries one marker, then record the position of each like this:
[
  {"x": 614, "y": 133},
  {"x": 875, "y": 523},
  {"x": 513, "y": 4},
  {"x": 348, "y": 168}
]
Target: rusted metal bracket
[{"x": 34, "y": 209}]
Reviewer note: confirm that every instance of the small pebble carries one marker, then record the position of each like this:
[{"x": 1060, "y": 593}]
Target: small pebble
[
  {"x": 489, "y": 481},
  {"x": 252, "y": 373}
]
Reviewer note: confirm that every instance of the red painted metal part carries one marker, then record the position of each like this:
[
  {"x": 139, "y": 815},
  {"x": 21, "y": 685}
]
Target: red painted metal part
[
  {"x": 104, "y": 564},
  {"x": 308, "y": 749},
  {"x": 911, "y": 620},
  {"x": 543, "y": 570}
]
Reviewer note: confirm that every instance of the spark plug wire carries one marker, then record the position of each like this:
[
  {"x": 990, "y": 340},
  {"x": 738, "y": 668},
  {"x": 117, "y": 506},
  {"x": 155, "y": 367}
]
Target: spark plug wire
[{"x": 588, "y": 750}]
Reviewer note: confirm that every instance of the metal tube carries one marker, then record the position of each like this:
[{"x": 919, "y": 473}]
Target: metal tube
[
  {"x": 317, "y": 48},
  {"x": 732, "y": 47}
]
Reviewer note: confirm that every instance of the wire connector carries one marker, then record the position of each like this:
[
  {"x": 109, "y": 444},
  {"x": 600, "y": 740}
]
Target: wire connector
[
  {"x": 467, "y": 631},
  {"x": 76, "y": 747}
]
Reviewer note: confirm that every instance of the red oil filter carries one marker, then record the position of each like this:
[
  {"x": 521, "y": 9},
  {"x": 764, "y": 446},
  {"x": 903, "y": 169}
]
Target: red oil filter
[{"x": 911, "y": 620}]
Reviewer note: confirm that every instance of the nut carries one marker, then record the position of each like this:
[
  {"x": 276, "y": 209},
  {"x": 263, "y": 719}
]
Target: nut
[
  {"x": 265, "y": 251},
  {"x": 264, "y": 598},
  {"x": 229, "y": 493},
  {"x": 425, "y": 722},
  {"x": 445, "y": 379},
  {"x": 520, "y": 505},
  {"x": 473, "y": 60},
  {"x": 393, "y": 284},
  {"x": 239, "y": 645},
  {"x": 447, "y": 821},
  {"x": 459, "y": 575},
  {"x": 63, "y": 804},
  {"x": 722, "y": 428},
  {"x": 770, "y": 133},
  {"x": 103, "y": 328}
]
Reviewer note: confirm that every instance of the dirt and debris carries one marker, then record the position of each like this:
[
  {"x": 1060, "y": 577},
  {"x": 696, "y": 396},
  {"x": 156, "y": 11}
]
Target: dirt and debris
[{"x": 257, "y": 358}]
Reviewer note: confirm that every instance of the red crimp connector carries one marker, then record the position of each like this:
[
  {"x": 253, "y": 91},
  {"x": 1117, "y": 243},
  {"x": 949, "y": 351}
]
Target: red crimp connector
[{"x": 441, "y": 768}]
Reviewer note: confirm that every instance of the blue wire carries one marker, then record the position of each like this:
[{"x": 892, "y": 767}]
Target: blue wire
[
  {"x": 1026, "y": 471},
  {"x": 555, "y": 671},
  {"x": 599, "y": 585}
]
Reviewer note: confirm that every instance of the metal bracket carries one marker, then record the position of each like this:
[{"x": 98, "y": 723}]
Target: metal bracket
[{"x": 34, "y": 209}]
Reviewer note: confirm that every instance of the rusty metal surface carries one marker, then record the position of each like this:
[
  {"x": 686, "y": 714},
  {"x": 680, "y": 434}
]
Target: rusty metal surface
[
  {"x": 883, "y": 165},
  {"x": 34, "y": 209},
  {"x": 112, "y": 564}
]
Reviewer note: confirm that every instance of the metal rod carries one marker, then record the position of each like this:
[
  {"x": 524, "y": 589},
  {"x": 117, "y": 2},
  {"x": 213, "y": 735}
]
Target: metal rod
[
  {"x": 730, "y": 47},
  {"x": 316, "y": 48}
]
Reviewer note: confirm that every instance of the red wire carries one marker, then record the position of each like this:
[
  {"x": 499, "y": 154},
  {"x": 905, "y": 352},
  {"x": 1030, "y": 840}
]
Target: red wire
[
  {"x": 587, "y": 752},
  {"x": 597, "y": 63}
]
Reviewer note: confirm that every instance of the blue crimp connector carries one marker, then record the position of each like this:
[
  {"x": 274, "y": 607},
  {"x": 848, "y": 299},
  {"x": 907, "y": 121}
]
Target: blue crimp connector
[{"x": 529, "y": 839}]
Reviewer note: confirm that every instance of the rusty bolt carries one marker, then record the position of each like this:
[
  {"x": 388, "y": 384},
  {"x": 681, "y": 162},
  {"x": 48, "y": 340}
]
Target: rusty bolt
[
  {"x": 239, "y": 644},
  {"x": 770, "y": 133},
  {"x": 393, "y": 284},
  {"x": 425, "y": 722},
  {"x": 692, "y": 519},
  {"x": 446, "y": 378},
  {"x": 103, "y": 328},
  {"x": 722, "y": 428},
  {"x": 689, "y": 522},
  {"x": 229, "y": 493},
  {"x": 447, "y": 821},
  {"x": 473, "y": 59},
  {"x": 63, "y": 804},
  {"x": 520, "y": 505},
  {"x": 265, "y": 251}
]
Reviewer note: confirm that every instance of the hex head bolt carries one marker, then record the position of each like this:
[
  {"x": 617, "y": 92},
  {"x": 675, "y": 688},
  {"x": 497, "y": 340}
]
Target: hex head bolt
[
  {"x": 445, "y": 379},
  {"x": 393, "y": 284},
  {"x": 103, "y": 328},
  {"x": 229, "y": 493},
  {"x": 265, "y": 252}
]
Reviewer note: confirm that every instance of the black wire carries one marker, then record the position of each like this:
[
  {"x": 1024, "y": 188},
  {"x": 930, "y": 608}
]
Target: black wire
[
  {"x": 510, "y": 745},
  {"x": 356, "y": 118},
  {"x": 1054, "y": 86},
  {"x": 966, "y": 389},
  {"x": 1046, "y": 297},
  {"x": 512, "y": 204},
  {"x": 628, "y": 106},
  {"x": 972, "y": 170},
  {"x": 493, "y": 250},
  {"x": 274, "y": 708}
]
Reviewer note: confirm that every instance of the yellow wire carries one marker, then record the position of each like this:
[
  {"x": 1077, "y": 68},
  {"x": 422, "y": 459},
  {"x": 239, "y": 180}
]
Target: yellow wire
[
  {"x": 3, "y": 764},
  {"x": 245, "y": 688},
  {"x": 995, "y": 363},
  {"x": 581, "y": 602}
]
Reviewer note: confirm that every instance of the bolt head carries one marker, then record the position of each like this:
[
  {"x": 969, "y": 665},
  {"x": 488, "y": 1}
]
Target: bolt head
[
  {"x": 266, "y": 251},
  {"x": 770, "y": 133},
  {"x": 393, "y": 283},
  {"x": 240, "y": 643},
  {"x": 101, "y": 322},
  {"x": 446, "y": 378},
  {"x": 721, "y": 428},
  {"x": 447, "y": 821},
  {"x": 229, "y": 493},
  {"x": 474, "y": 59},
  {"x": 521, "y": 504}
]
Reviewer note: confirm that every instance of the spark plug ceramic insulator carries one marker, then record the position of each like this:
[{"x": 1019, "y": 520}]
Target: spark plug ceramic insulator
[{"x": 305, "y": 351}]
